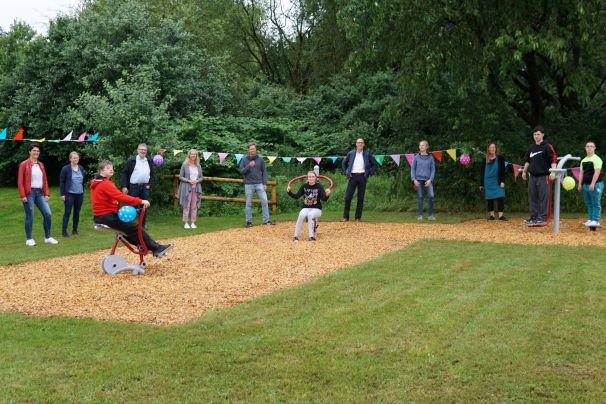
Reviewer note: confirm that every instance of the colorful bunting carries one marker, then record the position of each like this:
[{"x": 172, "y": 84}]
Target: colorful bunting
[
  {"x": 271, "y": 159},
  {"x": 301, "y": 159},
  {"x": 576, "y": 171},
  {"x": 96, "y": 135},
  {"x": 3, "y": 134},
  {"x": 516, "y": 170},
  {"x": 19, "y": 135},
  {"x": 206, "y": 155},
  {"x": 506, "y": 163},
  {"x": 238, "y": 158},
  {"x": 409, "y": 157},
  {"x": 317, "y": 159},
  {"x": 380, "y": 159},
  {"x": 82, "y": 137},
  {"x": 286, "y": 159},
  {"x": 222, "y": 157},
  {"x": 438, "y": 155},
  {"x": 175, "y": 152},
  {"x": 452, "y": 153},
  {"x": 396, "y": 158},
  {"x": 68, "y": 137},
  {"x": 333, "y": 159}
]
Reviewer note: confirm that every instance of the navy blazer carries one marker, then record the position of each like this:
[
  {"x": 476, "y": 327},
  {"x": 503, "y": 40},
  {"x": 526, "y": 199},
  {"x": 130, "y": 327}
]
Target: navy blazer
[
  {"x": 65, "y": 178},
  {"x": 370, "y": 164}
]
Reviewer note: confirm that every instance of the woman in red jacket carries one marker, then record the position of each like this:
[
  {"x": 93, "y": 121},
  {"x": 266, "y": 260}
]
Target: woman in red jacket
[{"x": 33, "y": 191}]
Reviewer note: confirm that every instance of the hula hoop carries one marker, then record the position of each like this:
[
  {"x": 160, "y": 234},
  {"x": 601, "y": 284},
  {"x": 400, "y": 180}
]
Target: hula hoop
[{"x": 320, "y": 177}]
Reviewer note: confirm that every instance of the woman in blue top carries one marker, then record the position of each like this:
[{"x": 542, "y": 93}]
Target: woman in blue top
[
  {"x": 422, "y": 172},
  {"x": 71, "y": 184},
  {"x": 492, "y": 181}
]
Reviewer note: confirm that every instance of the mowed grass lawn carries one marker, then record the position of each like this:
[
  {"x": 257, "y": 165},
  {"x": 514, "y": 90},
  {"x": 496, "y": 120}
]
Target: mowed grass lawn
[{"x": 437, "y": 321}]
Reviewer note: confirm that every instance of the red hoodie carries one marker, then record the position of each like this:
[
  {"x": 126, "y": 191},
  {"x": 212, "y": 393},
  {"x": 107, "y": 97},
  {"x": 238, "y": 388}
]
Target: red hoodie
[
  {"x": 24, "y": 179},
  {"x": 104, "y": 196}
]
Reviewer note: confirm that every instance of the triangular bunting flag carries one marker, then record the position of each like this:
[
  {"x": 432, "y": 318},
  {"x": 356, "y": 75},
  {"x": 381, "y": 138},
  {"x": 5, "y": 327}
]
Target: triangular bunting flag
[
  {"x": 438, "y": 155},
  {"x": 380, "y": 159},
  {"x": 317, "y": 159},
  {"x": 271, "y": 159},
  {"x": 82, "y": 137},
  {"x": 238, "y": 158},
  {"x": 175, "y": 152},
  {"x": 409, "y": 157},
  {"x": 68, "y": 137},
  {"x": 301, "y": 159},
  {"x": 506, "y": 163},
  {"x": 19, "y": 135},
  {"x": 207, "y": 155},
  {"x": 96, "y": 135},
  {"x": 516, "y": 170},
  {"x": 42, "y": 140},
  {"x": 333, "y": 159},
  {"x": 222, "y": 157},
  {"x": 452, "y": 153},
  {"x": 3, "y": 134},
  {"x": 576, "y": 171},
  {"x": 396, "y": 158},
  {"x": 286, "y": 159}
]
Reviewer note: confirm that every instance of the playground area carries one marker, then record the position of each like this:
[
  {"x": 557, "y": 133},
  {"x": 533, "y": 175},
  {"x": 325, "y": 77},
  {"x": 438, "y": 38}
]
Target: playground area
[{"x": 224, "y": 268}]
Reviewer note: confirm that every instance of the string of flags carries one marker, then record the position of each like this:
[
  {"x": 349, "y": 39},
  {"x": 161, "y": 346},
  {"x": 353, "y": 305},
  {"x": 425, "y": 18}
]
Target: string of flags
[
  {"x": 456, "y": 154},
  {"x": 83, "y": 137}
]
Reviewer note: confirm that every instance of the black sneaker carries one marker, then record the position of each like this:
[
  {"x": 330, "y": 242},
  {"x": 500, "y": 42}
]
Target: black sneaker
[
  {"x": 491, "y": 217},
  {"x": 162, "y": 249},
  {"x": 295, "y": 239},
  {"x": 248, "y": 224},
  {"x": 503, "y": 219},
  {"x": 312, "y": 239},
  {"x": 65, "y": 234},
  {"x": 74, "y": 232}
]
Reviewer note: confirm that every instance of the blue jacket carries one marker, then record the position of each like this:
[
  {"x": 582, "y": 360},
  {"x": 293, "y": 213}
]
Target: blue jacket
[
  {"x": 65, "y": 178},
  {"x": 370, "y": 164}
]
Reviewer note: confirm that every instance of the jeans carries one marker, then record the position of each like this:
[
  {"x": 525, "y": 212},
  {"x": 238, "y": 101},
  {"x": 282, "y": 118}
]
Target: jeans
[
  {"x": 249, "y": 190},
  {"x": 355, "y": 181},
  {"x": 139, "y": 191},
  {"x": 311, "y": 214},
  {"x": 429, "y": 191},
  {"x": 72, "y": 201},
  {"x": 36, "y": 197},
  {"x": 593, "y": 200}
]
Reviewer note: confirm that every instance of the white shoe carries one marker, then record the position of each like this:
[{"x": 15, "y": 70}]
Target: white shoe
[
  {"x": 30, "y": 242},
  {"x": 593, "y": 223},
  {"x": 587, "y": 222},
  {"x": 186, "y": 226},
  {"x": 50, "y": 240},
  {"x": 432, "y": 217},
  {"x": 193, "y": 226},
  {"x": 420, "y": 217}
]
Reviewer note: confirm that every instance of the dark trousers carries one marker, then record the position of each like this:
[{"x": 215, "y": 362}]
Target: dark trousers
[
  {"x": 500, "y": 204},
  {"x": 130, "y": 229},
  {"x": 72, "y": 201},
  {"x": 139, "y": 191},
  {"x": 538, "y": 197},
  {"x": 355, "y": 181}
]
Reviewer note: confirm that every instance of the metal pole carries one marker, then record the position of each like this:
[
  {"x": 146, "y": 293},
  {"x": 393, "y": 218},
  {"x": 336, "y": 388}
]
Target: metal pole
[{"x": 556, "y": 195}]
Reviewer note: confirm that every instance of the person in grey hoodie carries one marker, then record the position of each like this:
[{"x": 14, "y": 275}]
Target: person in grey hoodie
[
  {"x": 253, "y": 169},
  {"x": 422, "y": 172}
]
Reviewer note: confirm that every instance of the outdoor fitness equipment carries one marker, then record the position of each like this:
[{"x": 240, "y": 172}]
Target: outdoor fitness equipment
[
  {"x": 320, "y": 177},
  {"x": 114, "y": 264},
  {"x": 559, "y": 172}
]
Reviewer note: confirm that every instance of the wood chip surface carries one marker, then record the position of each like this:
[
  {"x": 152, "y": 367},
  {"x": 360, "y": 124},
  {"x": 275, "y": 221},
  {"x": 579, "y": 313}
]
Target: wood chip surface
[{"x": 224, "y": 268}]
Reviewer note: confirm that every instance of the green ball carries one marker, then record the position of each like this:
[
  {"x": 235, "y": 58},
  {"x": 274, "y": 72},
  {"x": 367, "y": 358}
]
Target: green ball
[{"x": 568, "y": 183}]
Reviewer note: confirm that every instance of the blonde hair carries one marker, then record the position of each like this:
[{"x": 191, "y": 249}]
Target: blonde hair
[
  {"x": 72, "y": 153},
  {"x": 186, "y": 161}
]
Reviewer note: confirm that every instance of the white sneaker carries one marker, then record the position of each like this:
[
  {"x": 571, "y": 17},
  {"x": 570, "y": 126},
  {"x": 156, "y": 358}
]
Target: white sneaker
[
  {"x": 420, "y": 217},
  {"x": 432, "y": 217},
  {"x": 186, "y": 226},
  {"x": 587, "y": 222},
  {"x": 30, "y": 242},
  {"x": 50, "y": 240},
  {"x": 593, "y": 223},
  {"x": 193, "y": 226}
]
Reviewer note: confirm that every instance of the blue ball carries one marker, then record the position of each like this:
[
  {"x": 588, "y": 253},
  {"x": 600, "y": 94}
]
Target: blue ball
[{"x": 127, "y": 214}]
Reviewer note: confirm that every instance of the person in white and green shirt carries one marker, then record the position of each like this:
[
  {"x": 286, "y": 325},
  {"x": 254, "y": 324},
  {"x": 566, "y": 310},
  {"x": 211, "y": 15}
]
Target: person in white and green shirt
[{"x": 591, "y": 184}]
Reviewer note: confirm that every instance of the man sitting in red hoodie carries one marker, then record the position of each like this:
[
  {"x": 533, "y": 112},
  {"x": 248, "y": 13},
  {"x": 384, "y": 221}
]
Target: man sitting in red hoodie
[{"x": 105, "y": 196}]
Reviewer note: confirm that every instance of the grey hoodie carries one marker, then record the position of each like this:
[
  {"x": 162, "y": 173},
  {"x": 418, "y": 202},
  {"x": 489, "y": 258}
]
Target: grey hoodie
[{"x": 255, "y": 175}]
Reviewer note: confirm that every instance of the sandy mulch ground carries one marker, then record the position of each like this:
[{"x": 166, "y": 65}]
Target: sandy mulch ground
[{"x": 225, "y": 268}]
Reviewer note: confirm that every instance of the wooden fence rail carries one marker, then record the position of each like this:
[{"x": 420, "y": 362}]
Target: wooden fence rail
[{"x": 273, "y": 201}]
